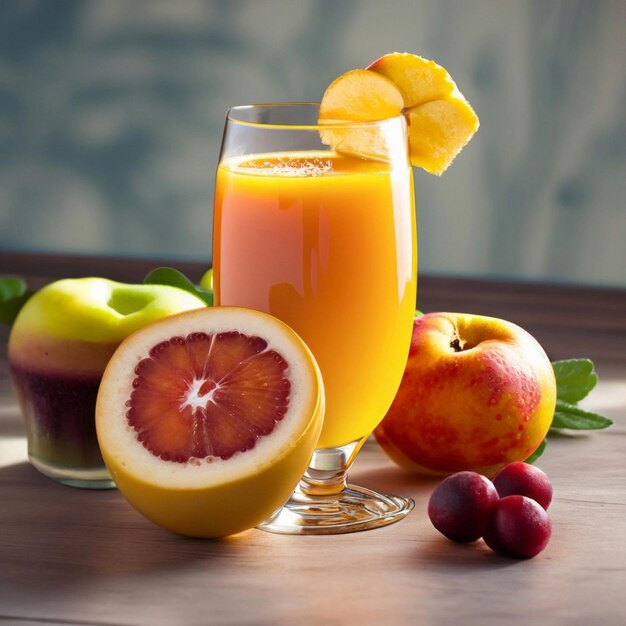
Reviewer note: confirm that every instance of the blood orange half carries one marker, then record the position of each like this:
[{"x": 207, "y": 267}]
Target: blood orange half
[{"x": 207, "y": 420}]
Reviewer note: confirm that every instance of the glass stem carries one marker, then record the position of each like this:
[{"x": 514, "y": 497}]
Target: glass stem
[
  {"x": 326, "y": 474},
  {"x": 323, "y": 504}
]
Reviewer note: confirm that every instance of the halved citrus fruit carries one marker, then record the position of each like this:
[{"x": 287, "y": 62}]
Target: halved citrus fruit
[
  {"x": 440, "y": 120},
  {"x": 207, "y": 420}
]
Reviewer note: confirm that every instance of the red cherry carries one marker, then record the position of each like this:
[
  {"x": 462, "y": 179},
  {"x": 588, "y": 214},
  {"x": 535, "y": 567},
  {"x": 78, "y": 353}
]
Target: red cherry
[
  {"x": 459, "y": 506},
  {"x": 523, "y": 479},
  {"x": 518, "y": 526}
]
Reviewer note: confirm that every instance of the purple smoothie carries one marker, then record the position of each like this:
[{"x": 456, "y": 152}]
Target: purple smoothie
[{"x": 59, "y": 411}]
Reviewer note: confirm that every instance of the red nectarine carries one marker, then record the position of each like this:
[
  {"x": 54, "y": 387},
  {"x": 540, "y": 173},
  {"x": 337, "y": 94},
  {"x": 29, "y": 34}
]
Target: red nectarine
[{"x": 478, "y": 393}]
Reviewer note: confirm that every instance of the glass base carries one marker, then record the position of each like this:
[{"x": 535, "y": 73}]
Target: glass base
[
  {"x": 323, "y": 504},
  {"x": 352, "y": 510},
  {"x": 92, "y": 478}
]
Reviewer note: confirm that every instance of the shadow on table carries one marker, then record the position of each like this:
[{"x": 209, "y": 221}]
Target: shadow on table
[
  {"x": 433, "y": 551},
  {"x": 439, "y": 554},
  {"x": 388, "y": 478},
  {"x": 59, "y": 535}
]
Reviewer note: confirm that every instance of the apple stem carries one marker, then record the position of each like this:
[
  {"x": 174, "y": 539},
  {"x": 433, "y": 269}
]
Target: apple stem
[{"x": 457, "y": 345}]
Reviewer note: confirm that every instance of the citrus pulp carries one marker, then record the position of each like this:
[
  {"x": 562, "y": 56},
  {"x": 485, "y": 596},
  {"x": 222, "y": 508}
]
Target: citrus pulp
[{"x": 207, "y": 420}]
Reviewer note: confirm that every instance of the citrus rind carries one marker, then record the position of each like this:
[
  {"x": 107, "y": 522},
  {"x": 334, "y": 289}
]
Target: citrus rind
[{"x": 211, "y": 497}]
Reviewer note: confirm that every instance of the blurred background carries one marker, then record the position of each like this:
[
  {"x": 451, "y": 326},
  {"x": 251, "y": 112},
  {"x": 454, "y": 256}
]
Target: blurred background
[{"x": 111, "y": 114}]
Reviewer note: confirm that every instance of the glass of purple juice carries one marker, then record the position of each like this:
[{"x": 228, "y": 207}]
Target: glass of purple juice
[
  {"x": 59, "y": 412},
  {"x": 56, "y": 380},
  {"x": 59, "y": 347}
]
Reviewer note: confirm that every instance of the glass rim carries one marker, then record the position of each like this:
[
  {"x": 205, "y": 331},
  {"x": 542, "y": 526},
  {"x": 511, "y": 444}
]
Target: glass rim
[{"x": 231, "y": 117}]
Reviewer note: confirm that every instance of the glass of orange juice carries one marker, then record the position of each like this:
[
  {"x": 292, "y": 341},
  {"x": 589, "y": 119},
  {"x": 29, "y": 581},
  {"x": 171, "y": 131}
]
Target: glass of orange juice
[{"x": 324, "y": 239}]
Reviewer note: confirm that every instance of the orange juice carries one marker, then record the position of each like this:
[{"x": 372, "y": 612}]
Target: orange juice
[{"x": 327, "y": 244}]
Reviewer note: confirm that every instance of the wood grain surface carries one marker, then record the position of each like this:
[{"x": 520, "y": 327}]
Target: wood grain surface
[{"x": 71, "y": 556}]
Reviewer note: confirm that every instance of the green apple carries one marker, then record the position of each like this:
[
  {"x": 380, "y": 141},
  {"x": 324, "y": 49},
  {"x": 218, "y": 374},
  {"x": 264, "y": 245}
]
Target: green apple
[
  {"x": 60, "y": 344},
  {"x": 206, "y": 282}
]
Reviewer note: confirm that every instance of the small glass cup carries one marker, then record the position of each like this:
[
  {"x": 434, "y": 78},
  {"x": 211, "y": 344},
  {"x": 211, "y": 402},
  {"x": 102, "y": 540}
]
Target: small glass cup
[{"x": 58, "y": 407}]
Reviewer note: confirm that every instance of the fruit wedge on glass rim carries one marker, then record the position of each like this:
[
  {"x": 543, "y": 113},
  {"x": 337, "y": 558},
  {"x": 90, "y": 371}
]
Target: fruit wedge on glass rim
[
  {"x": 440, "y": 120},
  {"x": 207, "y": 421}
]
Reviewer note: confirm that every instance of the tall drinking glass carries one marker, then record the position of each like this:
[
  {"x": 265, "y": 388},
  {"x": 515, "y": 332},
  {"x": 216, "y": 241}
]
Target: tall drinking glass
[{"x": 324, "y": 239}]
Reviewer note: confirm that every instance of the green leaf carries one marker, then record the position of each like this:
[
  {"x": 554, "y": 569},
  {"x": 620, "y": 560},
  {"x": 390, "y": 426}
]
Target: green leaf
[
  {"x": 174, "y": 278},
  {"x": 13, "y": 295},
  {"x": 537, "y": 453},
  {"x": 575, "y": 378},
  {"x": 418, "y": 313},
  {"x": 573, "y": 417},
  {"x": 11, "y": 287}
]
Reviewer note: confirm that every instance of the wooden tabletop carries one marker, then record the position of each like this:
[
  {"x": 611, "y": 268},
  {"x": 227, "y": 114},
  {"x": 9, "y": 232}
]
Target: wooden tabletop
[{"x": 70, "y": 556}]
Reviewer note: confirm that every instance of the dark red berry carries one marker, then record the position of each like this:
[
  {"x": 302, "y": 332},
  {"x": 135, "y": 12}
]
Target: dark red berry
[
  {"x": 522, "y": 479},
  {"x": 518, "y": 526},
  {"x": 459, "y": 506}
]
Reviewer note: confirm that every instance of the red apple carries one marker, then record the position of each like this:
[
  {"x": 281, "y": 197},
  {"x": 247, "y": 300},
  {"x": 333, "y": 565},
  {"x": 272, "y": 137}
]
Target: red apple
[{"x": 478, "y": 393}]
